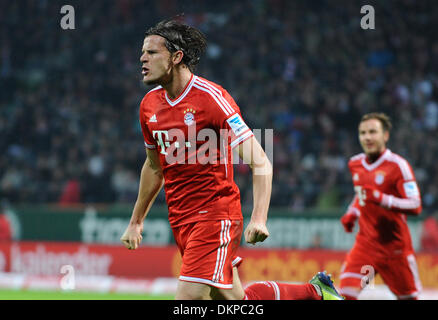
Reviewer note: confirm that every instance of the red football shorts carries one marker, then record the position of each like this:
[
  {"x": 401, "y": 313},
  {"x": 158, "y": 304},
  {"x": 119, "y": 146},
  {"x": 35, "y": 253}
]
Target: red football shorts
[
  {"x": 208, "y": 249},
  {"x": 399, "y": 273}
]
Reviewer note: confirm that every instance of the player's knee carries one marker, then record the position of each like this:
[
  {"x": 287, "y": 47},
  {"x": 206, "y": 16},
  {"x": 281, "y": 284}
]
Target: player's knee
[{"x": 262, "y": 290}]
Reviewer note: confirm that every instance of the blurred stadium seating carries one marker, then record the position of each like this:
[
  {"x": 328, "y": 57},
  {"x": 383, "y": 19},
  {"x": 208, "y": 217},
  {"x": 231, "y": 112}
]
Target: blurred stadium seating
[
  {"x": 69, "y": 99},
  {"x": 69, "y": 130}
]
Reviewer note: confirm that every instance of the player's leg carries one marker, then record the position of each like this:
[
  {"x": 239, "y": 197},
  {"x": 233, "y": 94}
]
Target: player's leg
[
  {"x": 197, "y": 291},
  {"x": 188, "y": 290},
  {"x": 400, "y": 274},
  {"x": 206, "y": 270},
  {"x": 320, "y": 287},
  {"x": 192, "y": 291},
  {"x": 353, "y": 280},
  {"x": 274, "y": 290},
  {"x": 236, "y": 293}
]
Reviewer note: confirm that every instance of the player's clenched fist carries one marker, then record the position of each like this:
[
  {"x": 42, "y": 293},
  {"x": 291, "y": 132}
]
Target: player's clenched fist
[
  {"x": 348, "y": 220},
  {"x": 132, "y": 237},
  {"x": 256, "y": 232}
]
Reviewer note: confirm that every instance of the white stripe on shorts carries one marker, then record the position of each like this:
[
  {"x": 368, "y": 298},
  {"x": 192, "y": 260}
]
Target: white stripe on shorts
[
  {"x": 222, "y": 251},
  {"x": 225, "y": 251},
  {"x": 205, "y": 281},
  {"x": 414, "y": 269},
  {"x": 351, "y": 275},
  {"x": 276, "y": 289}
]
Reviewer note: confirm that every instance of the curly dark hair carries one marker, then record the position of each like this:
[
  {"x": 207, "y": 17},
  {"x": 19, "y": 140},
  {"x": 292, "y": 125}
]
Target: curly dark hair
[{"x": 189, "y": 40}]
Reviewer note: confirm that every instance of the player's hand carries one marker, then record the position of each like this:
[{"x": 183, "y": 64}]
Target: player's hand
[
  {"x": 348, "y": 221},
  {"x": 372, "y": 195},
  {"x": 132, "y": 237},
  {"x": 256, "y": 232}
]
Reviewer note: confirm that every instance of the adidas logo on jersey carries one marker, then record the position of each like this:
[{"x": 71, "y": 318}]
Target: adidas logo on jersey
[{"x": 153, "y": 118}]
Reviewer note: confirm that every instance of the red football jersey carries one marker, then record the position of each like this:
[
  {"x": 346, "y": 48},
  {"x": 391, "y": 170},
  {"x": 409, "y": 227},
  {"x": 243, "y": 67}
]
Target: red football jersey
[
  {"x": 384, "y": 231},
  {"x": 194, "y": 135}
]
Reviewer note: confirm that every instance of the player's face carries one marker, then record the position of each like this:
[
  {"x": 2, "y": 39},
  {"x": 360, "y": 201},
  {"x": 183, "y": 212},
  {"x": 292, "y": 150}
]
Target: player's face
[
  {"x": 372, "y": 137},
  {"x": 156, "y": 61}
]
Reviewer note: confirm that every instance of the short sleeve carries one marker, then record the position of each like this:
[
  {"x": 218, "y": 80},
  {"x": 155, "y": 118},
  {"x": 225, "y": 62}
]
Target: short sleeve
[
  {"x": 405, "y": 181},
  {"x": 149, "y": 141},
  {"x": 232, "y": 122}
]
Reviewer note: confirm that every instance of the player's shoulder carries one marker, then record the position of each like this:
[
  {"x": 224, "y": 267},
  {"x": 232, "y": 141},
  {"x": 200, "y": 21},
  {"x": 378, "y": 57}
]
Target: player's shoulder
[
  {"x": 356, "y": 159},
  {"x": 401, "y": 163},
  {"x": 204, "y": 83},
  {"x": 211, "y": 89},
  {"x": 219, "y": 100},
  {"x": 150, "y": 95}
]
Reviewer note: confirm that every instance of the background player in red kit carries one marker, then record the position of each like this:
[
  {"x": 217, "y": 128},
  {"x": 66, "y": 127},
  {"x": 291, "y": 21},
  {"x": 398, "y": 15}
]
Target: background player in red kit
[
  {"x": 190, "y": 126},
  {"x": 386, "y": 191}
]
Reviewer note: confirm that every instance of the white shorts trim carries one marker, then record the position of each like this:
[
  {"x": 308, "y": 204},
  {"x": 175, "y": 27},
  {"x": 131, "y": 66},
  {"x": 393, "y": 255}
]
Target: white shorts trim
[
  {"x": 276, "y": 290},
  {"x": 351, "y": 275},
  {"x": 350, "y": 291},
  {"x": 205, "y": 281},
  {"x": 236, "y": 261},
  {"x": 412, "y": 262}
]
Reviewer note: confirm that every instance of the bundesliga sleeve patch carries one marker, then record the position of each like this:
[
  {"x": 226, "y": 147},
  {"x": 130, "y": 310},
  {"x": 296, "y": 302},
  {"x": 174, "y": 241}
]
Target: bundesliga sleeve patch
[
  {"x": 411, "y": 189},
  {"x": 237, "y": 124}
]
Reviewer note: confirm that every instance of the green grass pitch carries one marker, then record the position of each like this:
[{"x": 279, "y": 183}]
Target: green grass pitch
[{"x": 76, "y": 295}]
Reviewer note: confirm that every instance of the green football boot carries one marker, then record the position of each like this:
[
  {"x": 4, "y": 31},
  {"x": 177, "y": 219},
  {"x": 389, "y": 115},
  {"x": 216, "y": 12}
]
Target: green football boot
[{"x": 325, "y": 285}]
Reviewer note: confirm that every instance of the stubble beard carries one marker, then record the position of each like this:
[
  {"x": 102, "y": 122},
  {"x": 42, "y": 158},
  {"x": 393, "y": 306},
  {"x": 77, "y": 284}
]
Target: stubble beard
[
  {"x": 166, "y": 78},
  {"x": 374, "y": 154}
]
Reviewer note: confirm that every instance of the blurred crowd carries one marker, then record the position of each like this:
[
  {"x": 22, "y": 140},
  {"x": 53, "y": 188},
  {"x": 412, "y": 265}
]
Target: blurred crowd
[{"x": 69, "y": 129}]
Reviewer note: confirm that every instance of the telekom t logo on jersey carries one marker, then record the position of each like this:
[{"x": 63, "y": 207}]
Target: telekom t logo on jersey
[
  {"x": 166, "y": 140},
  {"x": 158, "y": 136},
  {"x": 361, "y": 195},
  {"x": 174, "y": 145}
]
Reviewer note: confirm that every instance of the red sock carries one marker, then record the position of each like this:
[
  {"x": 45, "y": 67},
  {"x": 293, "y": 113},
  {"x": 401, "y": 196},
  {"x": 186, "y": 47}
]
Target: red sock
[{"x": 272, "y": 290}]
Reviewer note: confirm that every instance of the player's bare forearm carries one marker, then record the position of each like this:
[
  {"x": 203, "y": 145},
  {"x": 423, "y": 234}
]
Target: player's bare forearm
[
  {"x": 256, "y": 230},
  {"x": 151, "y": 182},
  {"x": 262, "y": 188},
  {"x": 252, "y": 153}
]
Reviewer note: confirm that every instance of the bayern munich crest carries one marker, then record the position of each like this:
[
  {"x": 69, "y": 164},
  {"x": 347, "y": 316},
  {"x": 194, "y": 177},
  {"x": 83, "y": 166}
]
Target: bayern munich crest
[
  {"x": 380, "y": 177},
  {"x": 189, "y": 116}
]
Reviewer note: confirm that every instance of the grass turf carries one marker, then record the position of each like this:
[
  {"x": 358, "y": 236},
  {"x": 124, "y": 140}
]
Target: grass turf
[{"x": 76, "y": 295}]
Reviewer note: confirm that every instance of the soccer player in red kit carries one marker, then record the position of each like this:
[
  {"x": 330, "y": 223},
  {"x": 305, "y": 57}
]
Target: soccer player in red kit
[
  {"x": 386, "y": 192},
  {"x": 190, "y": 126}
]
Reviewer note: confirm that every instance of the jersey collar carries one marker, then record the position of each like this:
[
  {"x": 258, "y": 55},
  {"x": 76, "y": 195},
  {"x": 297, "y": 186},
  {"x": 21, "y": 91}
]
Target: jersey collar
[
  {"x": 376, "y": 163},
  {"x": 183, "y": 94}
]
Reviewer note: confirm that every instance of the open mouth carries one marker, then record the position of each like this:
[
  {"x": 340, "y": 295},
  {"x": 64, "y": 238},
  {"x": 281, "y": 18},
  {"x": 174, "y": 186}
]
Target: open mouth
[{"x": 144, "y": 71}]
